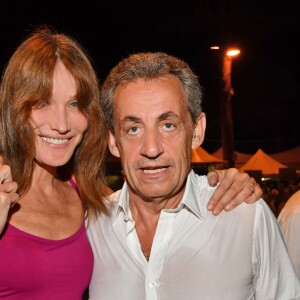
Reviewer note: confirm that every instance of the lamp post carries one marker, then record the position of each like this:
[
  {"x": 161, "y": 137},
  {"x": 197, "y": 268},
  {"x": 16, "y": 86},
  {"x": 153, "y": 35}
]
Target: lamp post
[
  {"x": 227, "y": 92},
  {"x": 227, "y": 131}
]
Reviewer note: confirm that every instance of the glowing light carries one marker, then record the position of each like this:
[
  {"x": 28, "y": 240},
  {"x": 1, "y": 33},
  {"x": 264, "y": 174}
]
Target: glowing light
[{"x": 233, "y": 52}]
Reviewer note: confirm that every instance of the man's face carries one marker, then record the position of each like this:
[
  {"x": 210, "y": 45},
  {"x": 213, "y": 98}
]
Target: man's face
[{"x": 154, "y": 137}]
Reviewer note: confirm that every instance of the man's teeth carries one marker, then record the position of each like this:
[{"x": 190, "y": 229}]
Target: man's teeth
[
  {"x": 152, "y": 171},
  {"x": 54, "y": 141}
]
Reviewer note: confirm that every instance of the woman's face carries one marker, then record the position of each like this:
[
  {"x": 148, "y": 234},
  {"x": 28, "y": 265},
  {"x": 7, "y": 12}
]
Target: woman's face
[{"x": 59, "y": 125}]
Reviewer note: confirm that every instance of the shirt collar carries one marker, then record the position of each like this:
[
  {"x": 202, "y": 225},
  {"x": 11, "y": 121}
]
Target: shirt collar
[
  {"x": 123, "y": 204},
  {"x": 192, "y": 198},
  {"x": 193, "y": 194}
]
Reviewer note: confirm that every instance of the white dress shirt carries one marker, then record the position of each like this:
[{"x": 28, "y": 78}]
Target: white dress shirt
[
  {"x": 238, "y": 255},
  {"x": 289, "y": 220}
]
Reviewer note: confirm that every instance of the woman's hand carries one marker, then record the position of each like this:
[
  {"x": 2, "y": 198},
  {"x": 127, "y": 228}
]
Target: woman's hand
[
  {"x": 234, "y": 188},
  {"x": 8, "y": 194}
]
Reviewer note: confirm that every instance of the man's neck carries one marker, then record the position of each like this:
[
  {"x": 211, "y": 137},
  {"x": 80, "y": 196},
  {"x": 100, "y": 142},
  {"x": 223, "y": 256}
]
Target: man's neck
[{"x": 146, "y": 215}]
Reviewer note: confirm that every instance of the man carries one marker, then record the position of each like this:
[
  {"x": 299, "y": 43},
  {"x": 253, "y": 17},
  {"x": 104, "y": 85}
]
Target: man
[
  {"x": 159, "y": 241},
  {"x": 289, "y": 220}
]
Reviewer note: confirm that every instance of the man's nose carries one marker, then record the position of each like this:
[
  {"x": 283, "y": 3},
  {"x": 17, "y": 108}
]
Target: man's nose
[{"x": 152, "y": 143}]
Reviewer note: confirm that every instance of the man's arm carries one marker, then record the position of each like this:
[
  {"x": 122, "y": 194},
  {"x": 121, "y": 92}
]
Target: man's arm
[
  {"x": 275, "y": 277},
  {"x": 289, "y": 222},
  {"x": 234, "y": 188},
  {"x": 290, "y": 231},
  {"x": 8, "y": 195}
]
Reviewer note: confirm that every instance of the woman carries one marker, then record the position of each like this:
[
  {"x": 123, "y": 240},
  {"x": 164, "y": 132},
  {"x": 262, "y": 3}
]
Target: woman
[
  {"x": 52, "y": 130},
  {"x": 51, "y": 125}
]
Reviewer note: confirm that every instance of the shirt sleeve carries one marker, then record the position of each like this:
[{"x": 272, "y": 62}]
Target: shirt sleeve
[
  {"x": 274, "y": 275},
  {"x": 291, "y": 232}
]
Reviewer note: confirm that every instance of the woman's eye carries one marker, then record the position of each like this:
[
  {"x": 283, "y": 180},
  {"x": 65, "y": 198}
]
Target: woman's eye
[
  {"x": 40, "y": 104},
  {"x": 74, "y": 104}
]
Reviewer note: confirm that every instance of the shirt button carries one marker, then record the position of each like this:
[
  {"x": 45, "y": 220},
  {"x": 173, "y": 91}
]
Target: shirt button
[
  {"x": 152, "y": 284},
  {"x": 126, "y": 218}
]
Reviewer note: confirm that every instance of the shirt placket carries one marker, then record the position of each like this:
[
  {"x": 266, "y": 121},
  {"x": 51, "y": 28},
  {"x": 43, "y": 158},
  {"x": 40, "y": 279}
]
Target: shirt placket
[{"x": 154, "y": 267}]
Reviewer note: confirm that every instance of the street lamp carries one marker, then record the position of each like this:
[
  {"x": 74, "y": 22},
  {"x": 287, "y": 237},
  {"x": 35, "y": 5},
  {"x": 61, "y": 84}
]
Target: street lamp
[
  {"x": 227, "y": 92},
  {"x": 226, "y": 70}
]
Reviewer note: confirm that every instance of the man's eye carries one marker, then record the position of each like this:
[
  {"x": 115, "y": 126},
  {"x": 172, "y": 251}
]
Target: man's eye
[
  {"x": 169, "y": 126},
  {"x": 133, "y": 130}
]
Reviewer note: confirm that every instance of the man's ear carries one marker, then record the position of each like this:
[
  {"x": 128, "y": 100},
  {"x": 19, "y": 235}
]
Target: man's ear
[
  {"x": 199, "y": 131},
  {"x": 112, "y": 145}
]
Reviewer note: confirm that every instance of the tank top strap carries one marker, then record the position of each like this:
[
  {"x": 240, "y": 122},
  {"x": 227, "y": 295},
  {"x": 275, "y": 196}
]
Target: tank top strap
[{"x": 74, "y": 185}]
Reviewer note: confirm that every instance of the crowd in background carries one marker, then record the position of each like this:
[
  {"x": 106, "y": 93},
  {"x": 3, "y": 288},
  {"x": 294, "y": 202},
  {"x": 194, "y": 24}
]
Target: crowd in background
[{"x": 276, "y": 193}]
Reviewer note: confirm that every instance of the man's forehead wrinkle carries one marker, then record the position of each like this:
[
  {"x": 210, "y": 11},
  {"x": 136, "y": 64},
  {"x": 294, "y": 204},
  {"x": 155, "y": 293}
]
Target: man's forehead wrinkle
[
  {"x": 165, "y": 115},
  {"x": 168, "y": 114},
  {"x": 130, "y": 119}
]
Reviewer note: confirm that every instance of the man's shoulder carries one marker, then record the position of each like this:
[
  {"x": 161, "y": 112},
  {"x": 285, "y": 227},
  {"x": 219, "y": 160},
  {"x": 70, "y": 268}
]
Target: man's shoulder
[
  {"x": 291, "y": 208},
  {"x": 113, "y": 199},
  {"x": 96, "y": 224},
  {"x": 111, "y": 203},
  {"x": 203, "y": 191},
  {"x": 200, "y": 180}
]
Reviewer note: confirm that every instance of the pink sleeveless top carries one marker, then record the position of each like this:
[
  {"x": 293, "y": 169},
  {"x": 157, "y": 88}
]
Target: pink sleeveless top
[{"x": 36, "y": 268}]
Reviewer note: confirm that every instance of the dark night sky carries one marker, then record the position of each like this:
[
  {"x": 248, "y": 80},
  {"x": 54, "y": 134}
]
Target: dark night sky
[{"x": 265, "y": 76}]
